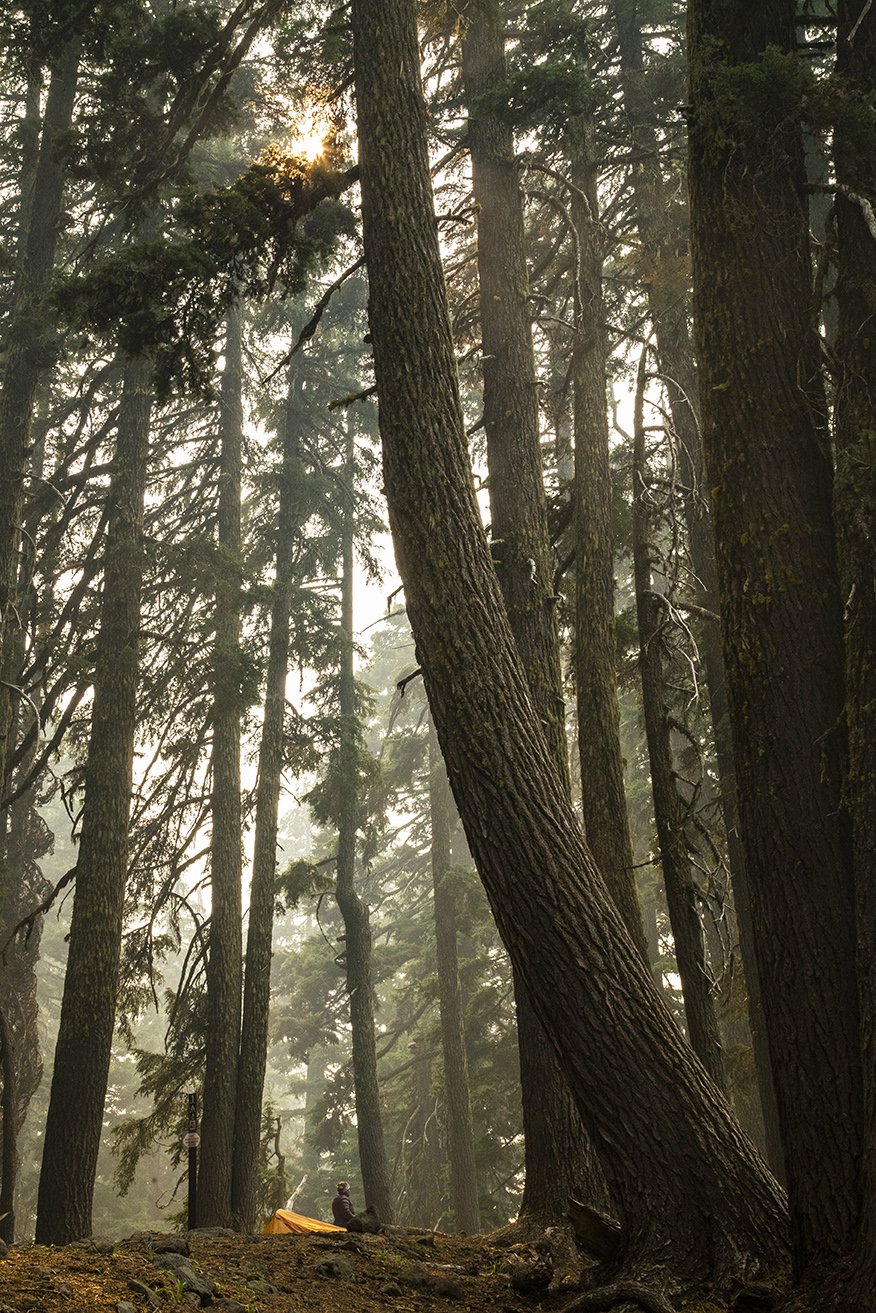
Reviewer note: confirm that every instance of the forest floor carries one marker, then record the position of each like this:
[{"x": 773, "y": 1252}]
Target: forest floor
[{"x": 399, "y": 1272}]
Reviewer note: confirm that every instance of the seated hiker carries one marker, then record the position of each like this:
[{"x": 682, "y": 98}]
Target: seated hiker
[
  {"x": 345, "y": 1215},
  {"x": 342, "y": 1209}
]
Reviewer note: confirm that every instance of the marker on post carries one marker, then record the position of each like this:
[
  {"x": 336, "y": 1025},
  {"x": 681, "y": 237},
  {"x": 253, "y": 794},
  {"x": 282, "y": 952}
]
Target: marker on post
[{"x": 191, "y": 1141}]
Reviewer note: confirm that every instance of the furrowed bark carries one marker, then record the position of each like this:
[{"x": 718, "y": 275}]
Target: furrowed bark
[
  {"x": 558, "y": 1159},
  {"x": 770, "y": 476},
  {"x": 665, "y": 253},
  {"x": 82, "y": 1052},
  {"x": 224, "y": 965},
  {"x": 707, "y": 1207}
]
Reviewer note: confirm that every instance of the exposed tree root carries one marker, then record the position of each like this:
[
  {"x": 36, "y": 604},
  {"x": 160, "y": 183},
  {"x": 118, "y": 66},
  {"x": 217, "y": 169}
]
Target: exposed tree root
[{"x": 621, "y": 1292}]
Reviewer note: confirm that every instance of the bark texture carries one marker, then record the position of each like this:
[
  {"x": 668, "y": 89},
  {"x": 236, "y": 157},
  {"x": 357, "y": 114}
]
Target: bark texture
[
  {"x": 257, "y": 982},
  {"x": 707, "y": 1207},
  {"x": 558, "y": 1158},
  {"x": 770, "y": 479},
  {"x": 460, "y": 1134},
  {"x": 224, "y": 959},
  {"x": 662, "y": 227},
  {"x": 82, "y": 1052},
  {"x": 855, "y": 499}
]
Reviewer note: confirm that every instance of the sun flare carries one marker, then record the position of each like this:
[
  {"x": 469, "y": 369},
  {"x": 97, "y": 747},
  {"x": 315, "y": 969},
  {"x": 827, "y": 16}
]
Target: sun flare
[{"x": 309, "y": 135}]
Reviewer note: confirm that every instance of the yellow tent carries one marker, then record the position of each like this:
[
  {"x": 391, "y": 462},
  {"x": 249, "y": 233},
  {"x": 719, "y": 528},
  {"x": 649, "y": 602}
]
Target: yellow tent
[{"x": 282, "y": 1222}]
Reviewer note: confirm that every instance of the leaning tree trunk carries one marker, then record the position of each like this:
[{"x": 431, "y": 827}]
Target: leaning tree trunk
[
  {"x": 257, "y": 983},
  {"x": 678, "y": 882},
  {"x": 665, "y": 255},
  {"x": 224, "y": 968},
  {"x": 82, "y": 1052},
  {"x": 460, "y": 1133},
  {"x": 558, "y": 1159},
  {"x": 27, "y": 343},
  {"x": 357, "y": 927},
  {"x": 856, "y": 516},
  {"x": 693, "y": 1195},
  {"x": 769, "y": 470}
]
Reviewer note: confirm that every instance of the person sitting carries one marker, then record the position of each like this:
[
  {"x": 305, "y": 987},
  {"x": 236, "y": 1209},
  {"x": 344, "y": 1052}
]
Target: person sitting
[{"x": 342, "y": 1209}]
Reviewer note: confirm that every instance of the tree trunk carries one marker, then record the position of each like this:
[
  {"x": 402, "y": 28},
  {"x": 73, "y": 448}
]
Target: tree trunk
[
  {"x": 692, "y": 1193},
  {"x": 769, "y": 472},
  {"x": 224, "y": 966},
  {"x": 460, "y": 1134},
  {"x": 27, "y": 345},
  {"x": 665, "y": 256},
  {"x": 606, "y": 823},
  {"x": 257, "y": 985},
  {"x": 357, "y": 928},
  {"x": 82, "y": 1053},
  {"x": 558, "y": 1158},
  {"x": 687, "y": 930},
  {"x": 856, "y": 520}
]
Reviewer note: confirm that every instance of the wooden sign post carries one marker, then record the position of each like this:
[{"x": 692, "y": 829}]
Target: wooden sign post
[{"x": 191, "y": 1141}]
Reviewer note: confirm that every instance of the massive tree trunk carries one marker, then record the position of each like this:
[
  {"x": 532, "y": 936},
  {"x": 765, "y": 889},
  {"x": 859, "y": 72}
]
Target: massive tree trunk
[
  {"x": 665, "y": 257},
  {"x": 856, "y": 518},
  {"x": 224, "y": 965},
  {"x": 770, "y": 475},
  {"x": 678, "y": 882},
  {"x": 357, "y": 927},
  {"x": 693, "y": 1195},
  {"x": 27, "y": 343},
  {"x": 558, "y": 1158},
  {"x": 460, "y": 1135},
  {"x": 82, "y": 1053},
  {"x": 257, "y": 983}
]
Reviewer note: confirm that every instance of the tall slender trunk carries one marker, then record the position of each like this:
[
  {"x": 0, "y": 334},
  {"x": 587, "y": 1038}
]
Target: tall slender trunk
[
  {"x": 665, "y": 252},
  {"x": 460, "y": 1133},
  {"x": 558, "y": 1159},
  {"x": 606, "y": 823},
  {"x": 257, "y": 981},
  {"x": 24, "y": 839},
  {"x": 27, "y": 344},
  {"x": 687, "y": 930},
  {"x": 357, "y": 927},
  {"x": 224, "y": 959},
  {"x": 856, "y": 518},
  {"x": 770, "y": 475},
  {"x": 692, "y": 1193},
  {"x": 82, "y": 1053}
]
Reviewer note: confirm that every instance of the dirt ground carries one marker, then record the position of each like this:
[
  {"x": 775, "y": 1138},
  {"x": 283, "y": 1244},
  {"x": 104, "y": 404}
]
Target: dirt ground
[{"x": 412, "y": 1272}]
